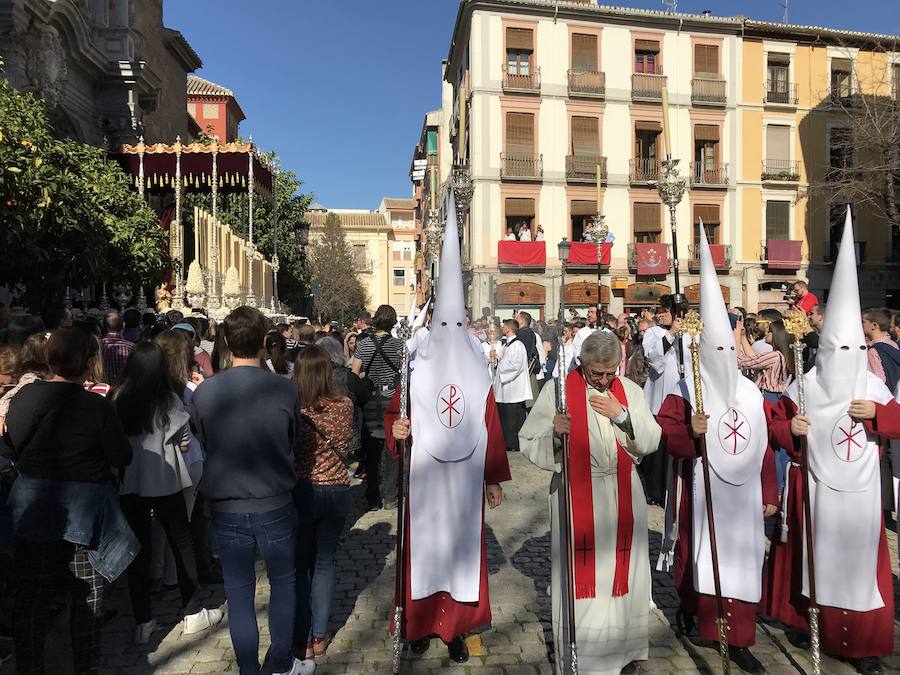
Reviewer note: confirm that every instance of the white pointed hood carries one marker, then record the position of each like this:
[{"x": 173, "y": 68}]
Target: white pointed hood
[
  {"x": 717, "y": 348},
  {"x": 841, "y": 363},
  {"x": 737, "y": 437},
  {"x": 449, "y": 383}
]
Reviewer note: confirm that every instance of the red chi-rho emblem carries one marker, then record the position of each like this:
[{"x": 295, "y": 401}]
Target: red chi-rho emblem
[
  {"x": 451, "y": 406},
  {"x": 734, "y": 432},
  {"x": 848, "y": 439}
]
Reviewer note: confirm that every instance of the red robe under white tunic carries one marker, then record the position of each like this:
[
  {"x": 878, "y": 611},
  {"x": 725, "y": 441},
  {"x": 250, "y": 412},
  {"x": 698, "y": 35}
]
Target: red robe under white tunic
[
  {"x": 675, "y": 419},
  {"x": 842, "y": 632},
  {"x": 440, "y": 614}
]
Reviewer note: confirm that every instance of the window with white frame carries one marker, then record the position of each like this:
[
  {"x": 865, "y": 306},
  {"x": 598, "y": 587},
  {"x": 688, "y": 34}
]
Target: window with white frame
[{"x": 399, "y": 277}]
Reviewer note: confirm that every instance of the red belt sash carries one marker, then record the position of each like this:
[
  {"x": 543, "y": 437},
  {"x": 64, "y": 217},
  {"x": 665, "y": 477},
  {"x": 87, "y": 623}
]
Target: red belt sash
[{"x": 582, "y": 494}]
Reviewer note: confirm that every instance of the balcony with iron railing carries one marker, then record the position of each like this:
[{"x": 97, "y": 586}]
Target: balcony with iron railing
[
  {"x": 704, "y": 176},
  {"x": 708, "y": 91},
  {"x": 721, "y": 256},
  {"x": 583, "y": 168},
  {"x": 529, "y": 83},
  {"x": 518, "y": 166},
  {"x": 647, "y": 86},
  {"x": 587, "y": 83},
  {"x": 643, "y": 170},
  {"x": 781, "y": 93},
  {"x": 843, "y": 97},
  {"x": 780, "y": 171}
]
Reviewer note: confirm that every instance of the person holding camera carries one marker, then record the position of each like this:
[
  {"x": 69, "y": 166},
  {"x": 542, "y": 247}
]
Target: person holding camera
[{"x": 800, "y": 297}]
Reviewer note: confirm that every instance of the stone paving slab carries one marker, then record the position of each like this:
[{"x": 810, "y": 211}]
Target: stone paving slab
[{"x": 518, "y": 643}]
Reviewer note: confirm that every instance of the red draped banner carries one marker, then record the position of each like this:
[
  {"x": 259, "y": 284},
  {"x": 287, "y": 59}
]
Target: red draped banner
[
  {"x": 585, "y": 253},
  {"x": 652, "y": 259},
  {"x": 522, "y": 253}
]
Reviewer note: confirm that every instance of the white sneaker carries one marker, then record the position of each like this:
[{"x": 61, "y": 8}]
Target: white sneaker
[
  {"x": 306, "y": 667},
  {"x": 205, "y": 618},
  {"x": 143, "y": 631}
]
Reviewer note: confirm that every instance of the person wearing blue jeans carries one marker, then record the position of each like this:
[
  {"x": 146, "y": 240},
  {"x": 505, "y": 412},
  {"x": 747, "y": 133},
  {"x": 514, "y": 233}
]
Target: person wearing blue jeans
[
  {"x": 246, "y": 419},
  {"x": 238, "y": 536},
  {"x": 325, "y": 509}
]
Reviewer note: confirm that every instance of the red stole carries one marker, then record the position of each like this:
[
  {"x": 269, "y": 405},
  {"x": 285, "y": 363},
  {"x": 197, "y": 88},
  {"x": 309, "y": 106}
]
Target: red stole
[{"x": 584, "y": 551}]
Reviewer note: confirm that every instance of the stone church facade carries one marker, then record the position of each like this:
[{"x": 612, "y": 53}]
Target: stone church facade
[{"x": 108, "y": 70}]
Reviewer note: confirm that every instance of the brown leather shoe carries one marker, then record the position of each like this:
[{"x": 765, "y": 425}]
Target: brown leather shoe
[{"x": 319, "y": 646}]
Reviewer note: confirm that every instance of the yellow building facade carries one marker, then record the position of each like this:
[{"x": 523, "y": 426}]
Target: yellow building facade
[{"x": 555, "y": 109}]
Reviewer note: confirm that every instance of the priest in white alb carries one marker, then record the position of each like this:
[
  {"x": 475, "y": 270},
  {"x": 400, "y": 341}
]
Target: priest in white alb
[
  {"x": 457, "y": 462},
  {"x": 610, "y": 429},
  {"x": 742, "y": 483}
]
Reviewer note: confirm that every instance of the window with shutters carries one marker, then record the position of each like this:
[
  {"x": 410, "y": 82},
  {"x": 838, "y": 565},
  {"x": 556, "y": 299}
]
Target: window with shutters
[
  {"x": 519, "y": 51},
  {"x": 841, "y": 78},
  {"x": 359, "y": 256},
  {"x": 399, "y": 276},
  {"x": 584, "y": 53},
  {"x": 646, "y": 222},
  {"x": 581, "y": 212},
  {"x": 519, "y": 133},
  {"x": 706, "y": 61},
  {"x": 778, "y": 84},
  {"x": 519, "y": 213},
  {"x": 706, "y": 153},
  {"x": 709, "y": 214},
  {"x": 431, "y": 142},
  {"x": 895, "y": 81},
  {"x": 645, "y": 165},
  {"x": 778, "y": 220},
  {"x": 585, "y": 136},
  {"x": 646, "y": 57},
  {"x": 840, "y": 149},
  {"x": 777, "y": 163}
]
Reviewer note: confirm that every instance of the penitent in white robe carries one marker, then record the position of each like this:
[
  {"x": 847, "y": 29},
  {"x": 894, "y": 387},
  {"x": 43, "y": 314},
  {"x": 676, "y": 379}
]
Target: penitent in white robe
[{"x": 610, "y": 631}]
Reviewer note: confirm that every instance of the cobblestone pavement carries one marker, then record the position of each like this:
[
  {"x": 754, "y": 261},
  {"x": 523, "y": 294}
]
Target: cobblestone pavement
[{"x": 519, "y": 642}]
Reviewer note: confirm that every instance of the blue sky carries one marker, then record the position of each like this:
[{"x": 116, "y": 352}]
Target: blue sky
[{"x": 339, "y": 88}]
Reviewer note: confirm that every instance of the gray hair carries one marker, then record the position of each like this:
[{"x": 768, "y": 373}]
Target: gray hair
[
  {"x": 601, "y": 347},
  {"x": 334, "y": 348}
]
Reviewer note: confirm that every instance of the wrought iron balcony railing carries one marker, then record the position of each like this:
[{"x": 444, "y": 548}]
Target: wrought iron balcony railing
[
  {"x": 787, "y": 170},
  {"x": 781, "y": 93},
  {"x": 647, "y": 86},
  {"x": 583, "y": 168},
  {"x": 707, "y": 91},
  {"x": 721, "y": 255},
  {"x": 704, "y": 176},
  {"x": 529, "y": 82},
  {"x": 589, "y": 83},
  {"x": 521, "y": 166},
  {"x": 644, "y": 170}
]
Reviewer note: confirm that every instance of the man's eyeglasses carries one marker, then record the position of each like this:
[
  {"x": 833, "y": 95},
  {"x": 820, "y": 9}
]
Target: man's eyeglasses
[{"x": 599, "y": 374}]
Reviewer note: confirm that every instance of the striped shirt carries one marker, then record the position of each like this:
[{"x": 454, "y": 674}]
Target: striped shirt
[
  {"x": 374, "y": 367},
  {"x": 770, "y": 368}
]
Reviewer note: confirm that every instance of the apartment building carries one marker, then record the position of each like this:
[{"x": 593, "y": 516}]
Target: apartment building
[{"x": 556, "y": 110}]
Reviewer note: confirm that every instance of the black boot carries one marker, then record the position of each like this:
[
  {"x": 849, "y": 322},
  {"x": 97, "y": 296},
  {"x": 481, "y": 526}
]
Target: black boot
[
  {"x": 798, "y": 639},
  {"x": 745, "y": 660},
  {"x": 420, "y": 646},
  {"x": 684, "y": 623},
  {"x": 458, "y": 651},
  {"x": 629, "y": 668},
  {"x": 868, "y": 665}
]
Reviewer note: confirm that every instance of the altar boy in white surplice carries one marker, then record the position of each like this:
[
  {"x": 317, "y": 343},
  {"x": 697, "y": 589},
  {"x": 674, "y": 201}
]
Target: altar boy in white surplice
[{"x": 610, "y": 429}]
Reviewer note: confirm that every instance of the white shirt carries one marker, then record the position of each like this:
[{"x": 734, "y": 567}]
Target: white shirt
[
  {"x": 511, "y": 236},
  {"x": 525, "y": 234},
  {"x": 539, "y": 236},
  {"x": 512, "y": 383},
  {"x": 762, "y": 347}
]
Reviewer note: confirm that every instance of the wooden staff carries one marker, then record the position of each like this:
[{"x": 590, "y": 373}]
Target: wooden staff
[
  {"x": 404, "y": 333},
  {"x": 693, "y": 325},
  {"x": 796, "y": 325},
  {"x": 566, "y": 503}
]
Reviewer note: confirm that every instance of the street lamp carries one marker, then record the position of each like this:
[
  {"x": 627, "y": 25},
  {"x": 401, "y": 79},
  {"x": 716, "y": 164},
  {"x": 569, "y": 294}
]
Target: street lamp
[
  {"x": 599, "y": 234},
  {"x": 463, "y": 190},
  {"x": 433, "y": 236},
  {"x": 563, "y": 247}
]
